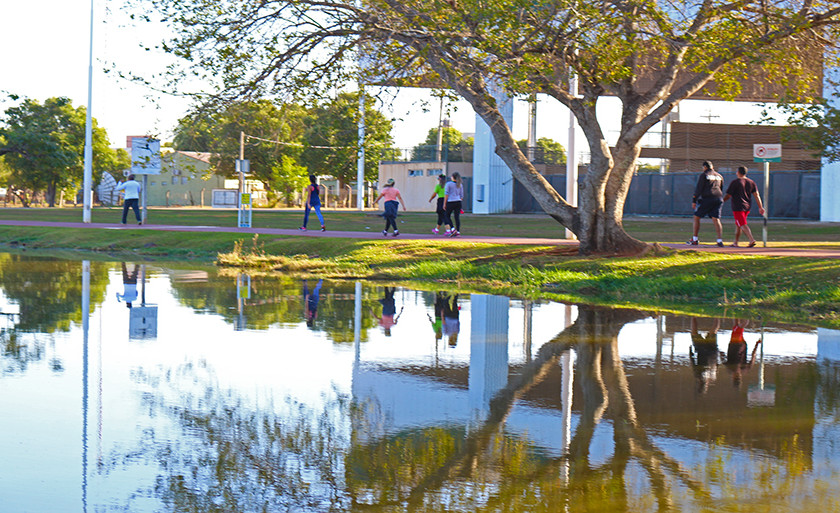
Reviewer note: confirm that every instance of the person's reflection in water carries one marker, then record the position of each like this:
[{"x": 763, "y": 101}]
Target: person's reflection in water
[
  {"x": 310, "y": 302},
  {"x": 437, "y": 322},
  {"x": 704, "y": 355},
  {"x": 129, "y": 294},
  {"x": 451, "y": 322},
  {"x": 389, "y": 311},
  {"x": 736, "y": 353}
]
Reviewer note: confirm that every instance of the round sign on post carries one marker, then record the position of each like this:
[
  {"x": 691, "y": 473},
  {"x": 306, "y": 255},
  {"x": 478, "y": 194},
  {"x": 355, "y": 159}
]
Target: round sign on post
[{"x": 766, "y": 153}]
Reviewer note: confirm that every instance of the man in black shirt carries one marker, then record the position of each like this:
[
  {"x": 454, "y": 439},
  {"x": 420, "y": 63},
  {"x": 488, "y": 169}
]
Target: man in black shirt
[
  {"x": 742, "y": 190},
  {"x": 708, "y": 201}
]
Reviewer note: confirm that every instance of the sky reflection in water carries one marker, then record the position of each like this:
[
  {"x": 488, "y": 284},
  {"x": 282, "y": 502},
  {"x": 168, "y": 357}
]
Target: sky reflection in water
[{"x": 228, "y": 393}]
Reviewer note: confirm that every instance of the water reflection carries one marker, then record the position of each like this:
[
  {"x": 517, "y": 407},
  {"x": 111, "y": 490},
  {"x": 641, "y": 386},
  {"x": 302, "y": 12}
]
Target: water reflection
[{"x": 240, "y": 403}]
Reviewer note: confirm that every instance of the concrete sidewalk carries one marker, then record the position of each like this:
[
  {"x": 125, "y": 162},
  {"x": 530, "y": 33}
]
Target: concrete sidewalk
[{"x": 377, "y": 235}]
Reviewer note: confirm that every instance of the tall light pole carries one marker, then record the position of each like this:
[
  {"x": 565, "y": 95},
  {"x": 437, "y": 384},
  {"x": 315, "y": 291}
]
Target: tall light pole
[{"x": 86, "y": 182}]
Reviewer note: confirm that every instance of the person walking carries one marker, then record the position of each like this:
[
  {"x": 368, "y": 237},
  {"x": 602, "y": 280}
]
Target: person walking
[
  {"x": 439, "y": 192},
  {"x": 736, "y": 353},
  {"x": 708, "y": 201},
  {"x": 452, "y": 197},
  {"x": 310, "y": 302},
  {"x": 742, "y": 190},
  {"x": 131, "y": 198},
  {"x": 393, "y": 198},
  {"x": 313, "y": 201}
]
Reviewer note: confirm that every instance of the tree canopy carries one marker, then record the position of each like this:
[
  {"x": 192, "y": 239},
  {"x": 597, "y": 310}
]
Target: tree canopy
[
  {"x": 455, "y": 147},
  {"x": 285, "y": 142},
  {"x": 44, "y": 147},
  {"x": 649, "y": 54}
]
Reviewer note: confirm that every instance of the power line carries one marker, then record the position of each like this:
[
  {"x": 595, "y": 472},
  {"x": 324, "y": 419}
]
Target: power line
[{"x": 299, "y": 145}]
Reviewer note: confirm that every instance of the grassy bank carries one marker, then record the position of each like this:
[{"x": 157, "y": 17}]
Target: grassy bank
[
  {"x": 788, "y": 289},
  {"x": 785, "y": 233}
]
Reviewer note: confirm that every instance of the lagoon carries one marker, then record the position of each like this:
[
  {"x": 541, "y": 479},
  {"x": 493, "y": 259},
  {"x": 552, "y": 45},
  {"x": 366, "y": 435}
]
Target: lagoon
[{"x": 216, "y": 391}]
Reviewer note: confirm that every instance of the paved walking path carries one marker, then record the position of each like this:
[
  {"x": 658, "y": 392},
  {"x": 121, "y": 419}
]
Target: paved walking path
[{"x": 372, "y": 234}]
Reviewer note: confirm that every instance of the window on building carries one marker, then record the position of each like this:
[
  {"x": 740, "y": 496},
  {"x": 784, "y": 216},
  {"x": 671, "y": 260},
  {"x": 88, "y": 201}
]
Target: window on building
[
  {"x": 163, "y": 184},
  {"x": 434, "y": 172},
  {"x": 184, "y": 180},
  {"x": 415, "y": 172},
  {"x": 176, "y": 172}
]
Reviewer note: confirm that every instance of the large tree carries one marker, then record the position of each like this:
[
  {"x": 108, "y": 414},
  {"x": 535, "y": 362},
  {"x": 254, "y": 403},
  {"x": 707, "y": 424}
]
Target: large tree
[
  {"x": 332, "y": 137},
  {"x": 272, "y": 132},
  {"x": 455, "y": 147},
  {"x": 649, "y": 54},
  {"x": 44, "y": 146}
]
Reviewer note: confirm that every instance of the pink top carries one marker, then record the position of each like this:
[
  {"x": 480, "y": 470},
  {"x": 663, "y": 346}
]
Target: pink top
[{"x": 390, "y": 193}]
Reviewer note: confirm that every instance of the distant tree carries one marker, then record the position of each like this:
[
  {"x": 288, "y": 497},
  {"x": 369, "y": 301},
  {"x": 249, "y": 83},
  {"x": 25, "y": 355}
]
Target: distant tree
[
  {"x": 455, "y": 147},
  {"x": 288, "y": 177},
  {"x": 274, "y": 131},
  {"x": 549, "y": 151},
  {"x": 45, "y": 148},
  {"x": 332, "y": 137}
]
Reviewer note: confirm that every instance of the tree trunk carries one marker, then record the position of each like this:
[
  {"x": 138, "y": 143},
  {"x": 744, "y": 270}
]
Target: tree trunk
[
  {"x": 597, "y": 220},
  {"x": 49, "y": 195}
]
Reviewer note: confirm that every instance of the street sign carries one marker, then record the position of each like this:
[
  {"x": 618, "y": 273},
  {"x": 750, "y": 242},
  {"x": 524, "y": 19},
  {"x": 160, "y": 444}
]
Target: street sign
[
  {"x": 767, "y": 152},
  {"x": 145, "y": 156}
]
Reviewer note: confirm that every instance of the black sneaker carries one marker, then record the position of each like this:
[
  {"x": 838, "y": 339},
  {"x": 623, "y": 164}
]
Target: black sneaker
[
  {"x": 720, "y": 244},
  {"x": 323, "y": 228},
  {"x": 693, "y": 242},
  {"x": 396, "y": 232}
]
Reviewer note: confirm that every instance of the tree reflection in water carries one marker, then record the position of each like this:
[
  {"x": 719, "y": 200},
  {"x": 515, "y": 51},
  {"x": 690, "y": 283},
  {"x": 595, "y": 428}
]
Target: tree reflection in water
[{"x": 293, "y": 457}]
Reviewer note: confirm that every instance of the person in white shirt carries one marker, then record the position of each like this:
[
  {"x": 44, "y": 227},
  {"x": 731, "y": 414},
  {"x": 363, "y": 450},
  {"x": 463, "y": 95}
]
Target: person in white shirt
[
  {"x": 131, "y": 190},
  {"x": 453, "y": 194}
]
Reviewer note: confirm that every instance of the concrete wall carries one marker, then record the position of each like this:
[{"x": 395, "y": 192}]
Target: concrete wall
[
  {"x": 416, "y": 180},
  {"x": 183, "y": 181}
]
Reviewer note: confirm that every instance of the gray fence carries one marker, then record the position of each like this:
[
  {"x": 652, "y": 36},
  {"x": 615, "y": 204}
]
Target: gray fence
[{"x": 793, "y": 194}]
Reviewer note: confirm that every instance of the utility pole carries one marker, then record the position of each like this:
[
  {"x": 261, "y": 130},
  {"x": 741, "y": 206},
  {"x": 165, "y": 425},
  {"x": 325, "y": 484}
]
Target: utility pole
[{"x": 88, "y": 166}]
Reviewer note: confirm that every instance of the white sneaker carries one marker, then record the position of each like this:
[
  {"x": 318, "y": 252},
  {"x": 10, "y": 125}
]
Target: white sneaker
[
  {"x": 448, "y": 233},
  {"x": 384, "y": 233},
  {"x": 435, "y": 231}
]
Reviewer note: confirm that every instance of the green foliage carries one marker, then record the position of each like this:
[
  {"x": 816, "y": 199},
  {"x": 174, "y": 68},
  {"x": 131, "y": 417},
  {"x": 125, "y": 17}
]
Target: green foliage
[
  {"x": 332, "y": 137},
  {"x": 45, "y": 147},
  {"x": 816, "y": 124},
  {"x": 548, "y": 151},
  {"x": 218, "y": 132},
  {"x": 455, "y": 148},
  {"x": 288, "y": 178}
]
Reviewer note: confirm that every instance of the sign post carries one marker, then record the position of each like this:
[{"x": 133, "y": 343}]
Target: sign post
[
  {"x": 145, "y": 160},
  {"x": 766, "y": 153},
  {"x": 243, "y": 167}
]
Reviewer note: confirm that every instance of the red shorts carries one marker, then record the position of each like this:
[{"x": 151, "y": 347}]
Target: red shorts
[{"x": 740, "y": 217}]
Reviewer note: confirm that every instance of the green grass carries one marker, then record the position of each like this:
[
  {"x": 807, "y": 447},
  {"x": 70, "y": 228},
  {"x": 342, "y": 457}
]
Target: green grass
[
  {"x": 805, "y": 290},
  {"x": 650, "y": 229}
]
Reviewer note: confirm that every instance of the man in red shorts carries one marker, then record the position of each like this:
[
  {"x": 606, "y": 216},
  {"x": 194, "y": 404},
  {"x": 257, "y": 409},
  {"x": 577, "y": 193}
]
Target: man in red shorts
[{"x": 742, "y": 190}]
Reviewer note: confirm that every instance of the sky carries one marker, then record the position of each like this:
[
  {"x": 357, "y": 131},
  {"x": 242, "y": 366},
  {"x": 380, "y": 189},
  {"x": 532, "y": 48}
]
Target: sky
[{"x": 47, "y": 54}]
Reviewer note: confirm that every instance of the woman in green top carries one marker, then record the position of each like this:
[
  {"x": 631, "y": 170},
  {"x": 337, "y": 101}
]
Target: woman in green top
[{"x": 439, "y": 193}]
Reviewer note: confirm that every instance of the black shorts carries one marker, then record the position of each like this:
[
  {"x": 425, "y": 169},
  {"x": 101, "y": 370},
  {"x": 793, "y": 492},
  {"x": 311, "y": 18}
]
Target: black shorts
[{"x": 711, "y": 207}]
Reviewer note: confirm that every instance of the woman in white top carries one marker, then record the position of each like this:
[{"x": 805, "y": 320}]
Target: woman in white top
[{"x": 452, "y": 197}]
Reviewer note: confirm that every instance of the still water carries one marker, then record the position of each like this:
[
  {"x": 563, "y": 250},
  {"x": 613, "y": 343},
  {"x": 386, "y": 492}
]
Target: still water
[{"x": 216, "y": 392}]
